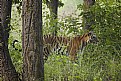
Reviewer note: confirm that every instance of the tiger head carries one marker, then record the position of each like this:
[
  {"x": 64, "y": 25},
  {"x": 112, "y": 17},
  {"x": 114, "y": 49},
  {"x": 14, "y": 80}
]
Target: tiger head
[{"x": 90, "y": 37}]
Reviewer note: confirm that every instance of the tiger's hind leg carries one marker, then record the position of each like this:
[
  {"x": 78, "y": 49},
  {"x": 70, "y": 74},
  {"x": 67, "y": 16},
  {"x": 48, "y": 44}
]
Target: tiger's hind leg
[{"x": 46, "y": 53}]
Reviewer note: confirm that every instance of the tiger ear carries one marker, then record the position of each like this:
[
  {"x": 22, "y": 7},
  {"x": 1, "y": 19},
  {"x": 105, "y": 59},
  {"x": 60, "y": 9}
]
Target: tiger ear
[{"x": 90, "y": 33}]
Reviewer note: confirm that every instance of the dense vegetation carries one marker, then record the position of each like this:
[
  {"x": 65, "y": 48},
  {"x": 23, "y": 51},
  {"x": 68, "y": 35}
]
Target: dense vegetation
[{"x": 101, "y": 62}]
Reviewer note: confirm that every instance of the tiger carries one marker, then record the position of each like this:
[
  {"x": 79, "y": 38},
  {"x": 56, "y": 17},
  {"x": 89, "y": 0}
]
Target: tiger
[
  {"x": 54, "y": 43},
  {"x": 73, "y": 45}
]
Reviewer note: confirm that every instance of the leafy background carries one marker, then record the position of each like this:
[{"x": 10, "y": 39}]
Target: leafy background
[{"x": 101, "y": 62}]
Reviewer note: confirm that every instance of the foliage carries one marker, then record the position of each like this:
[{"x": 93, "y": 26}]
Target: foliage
[
  {"x": 106, "y": 57},
  {"x": 101, "y": 62},
  {"x": 65, "y": 26},
  {"x": 18, "y": 5},
  {"x": 15, "y": 34}
]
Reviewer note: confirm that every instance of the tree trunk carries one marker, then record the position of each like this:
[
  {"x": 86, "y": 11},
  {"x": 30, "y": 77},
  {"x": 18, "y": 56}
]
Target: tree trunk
[
  {"x": 53, "y": 7},
  {"x": 33, "y": 64},
  {"x": 7, "y": 69},
  {"x": 87, "y": 23},
  {"x": 54, "y": 14}
]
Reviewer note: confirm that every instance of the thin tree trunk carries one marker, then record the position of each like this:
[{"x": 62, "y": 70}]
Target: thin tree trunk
[
  {"x": 54, "y": 14},
  {"x": 53, "y": 7},
  {"x": 7, "y": 69},
  {"x": 87, "y": 23},
  {"x": 33, "y": 66}
]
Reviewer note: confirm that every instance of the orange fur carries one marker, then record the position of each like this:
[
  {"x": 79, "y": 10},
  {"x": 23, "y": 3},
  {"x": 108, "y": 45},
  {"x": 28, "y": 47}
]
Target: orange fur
[{"x": 73, "y": 45}]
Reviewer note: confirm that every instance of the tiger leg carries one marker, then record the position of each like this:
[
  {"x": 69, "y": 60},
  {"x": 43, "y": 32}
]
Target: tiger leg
[
  {"x": 46, "y": 53},
  {"x": 73, "y": 55}
]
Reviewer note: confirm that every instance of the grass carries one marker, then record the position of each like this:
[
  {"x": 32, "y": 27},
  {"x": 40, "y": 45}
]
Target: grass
[{"x": 93, "y": 66}]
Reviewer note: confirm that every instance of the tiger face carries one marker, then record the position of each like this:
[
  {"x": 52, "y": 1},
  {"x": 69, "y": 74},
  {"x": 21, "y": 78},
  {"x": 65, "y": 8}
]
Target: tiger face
[
  {"x": 89, "y": 37},
  {"x": 92, "y": 38}
]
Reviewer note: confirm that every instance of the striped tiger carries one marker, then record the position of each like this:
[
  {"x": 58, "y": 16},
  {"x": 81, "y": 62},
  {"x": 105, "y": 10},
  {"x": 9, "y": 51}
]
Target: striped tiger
[
  {"x": 65, "y": 45},
  {"x": 54, "y": 43},
  {"x": 72, "y": 45}
]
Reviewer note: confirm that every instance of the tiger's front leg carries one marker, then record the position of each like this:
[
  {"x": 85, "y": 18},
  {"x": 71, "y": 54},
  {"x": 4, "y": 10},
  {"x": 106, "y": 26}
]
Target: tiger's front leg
[
  {"x": 73, "y": 55},
  {"x": 72, "y": 58}
]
